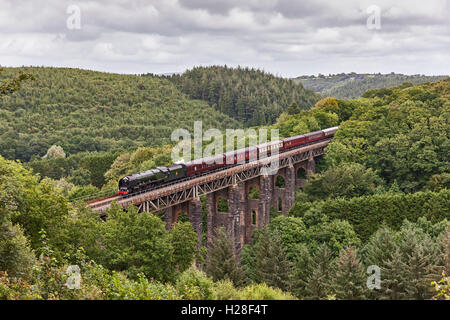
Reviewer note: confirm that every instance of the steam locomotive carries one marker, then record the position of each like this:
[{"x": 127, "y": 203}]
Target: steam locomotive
[{"x": 160, "y": 176}]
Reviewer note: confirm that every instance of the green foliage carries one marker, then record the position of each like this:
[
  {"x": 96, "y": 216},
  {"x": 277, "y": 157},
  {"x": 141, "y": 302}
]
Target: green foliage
[
  {"x": 14, "y": 84},
  {"x": 222, "y": 263},
  {"x": 31, "y": 204},
  {"x": 346, "y": 181},
  {"x": 85, "y": 230},
  {"x": 183, "y": 239},
  {"x": 293, "y": 109},
  {"x": 280, "y": 182},
  {"x": 401, "y": 134},
  {"x": 420, "y": 258},
  {"x": 81, "y": 177},
  {"x": 318, "y": 282},
  {"x": 193, "y": 284},
  {"x": 16, "y": 256},
  {"x": 439, "y": 181},
  {"x": 222, "y": 205},
  {"x": 81, "y": 169},
  {"x": 271, "y": 264},
  {"x": 82, "y": 191},
  {"x": 336, "y": 234},
  {"x": 442, "y": 288},
  {"x": 409, "y": 259},
  {"x": 292, "y": 231},
  {"x": 142, "y": 159},
  {"x": 115, "y": 286},
  {"x": 380, "y": 247},
  {"x": 367, "y": 213},
  {"x": 264, "y": 292},
  {"x": 305, "y": 121},
  {"x": 353, "y": 85},
  {"x": 83, "y": 110},
  {"x": 250, "y": 96},
  {"x": 301, "y": 271},
  {"x": 349, "y": 282},
  {"x": 225, "y": 290},
  {"x": 393, "y": 139},
  {"x": 136, "y": 243},
  {"x": 253, "y": 193},
  {"x": 97, "y": 165},
  {"x": 393, "y": 285},
  {"x": 12, "y": 288}
]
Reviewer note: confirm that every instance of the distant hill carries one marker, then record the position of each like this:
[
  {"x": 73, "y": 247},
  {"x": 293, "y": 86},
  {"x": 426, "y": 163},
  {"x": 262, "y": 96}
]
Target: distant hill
[
  {"x": 353, "y": 85},
  {"x": 83, "y": 110},
  {"x": 250, "y": 96}
]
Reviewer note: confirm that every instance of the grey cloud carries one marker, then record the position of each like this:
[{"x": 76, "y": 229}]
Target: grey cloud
[
  {"x": 213, "y": 6},
  {"x": 287, "y": 36}
]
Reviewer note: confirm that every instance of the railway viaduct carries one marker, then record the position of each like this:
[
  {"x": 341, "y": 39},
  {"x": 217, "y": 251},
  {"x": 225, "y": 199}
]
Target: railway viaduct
[{"x": 239, "y": 198}]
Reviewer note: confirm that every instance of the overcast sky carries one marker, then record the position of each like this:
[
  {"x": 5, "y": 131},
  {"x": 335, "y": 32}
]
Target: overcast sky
[{"x": 284, "y": 37}]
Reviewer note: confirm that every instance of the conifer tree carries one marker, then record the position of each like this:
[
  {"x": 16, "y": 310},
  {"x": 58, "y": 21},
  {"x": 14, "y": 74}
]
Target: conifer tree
[
  {"x": 319, "y": 282},
  {"x": 349, "y": 282},
  {"x": 444, "y": 243},
  {"x": 272, "y": 265},
  {"x": 16, "y": 256},
  {"x": 222, "y": 262},
  {"x": 378, "y": 251},
  {"x": 293, "y": 109},
  {"x": 301, "y": 270},
  {"x": 421, "y": 261},
  {"x": 393, "y": 279}
]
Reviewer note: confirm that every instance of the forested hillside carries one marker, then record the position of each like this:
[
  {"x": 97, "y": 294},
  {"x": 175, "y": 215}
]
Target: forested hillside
[
  {"x": 250, "y": 96},
  {"x": 81, "y": 110},
  {"x": 353, "y": 85},
  {"x": 380, "y": 198}
]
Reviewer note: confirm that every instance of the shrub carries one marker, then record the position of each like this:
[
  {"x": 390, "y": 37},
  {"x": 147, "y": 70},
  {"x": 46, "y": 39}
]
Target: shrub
[
  {"x": 193, "y": 284},
  {"x": 263, "y": 292}
]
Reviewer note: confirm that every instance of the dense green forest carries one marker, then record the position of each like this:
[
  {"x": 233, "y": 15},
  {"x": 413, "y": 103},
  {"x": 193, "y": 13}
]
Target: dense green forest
[
  {"x": 81, "y": 110},
  {"x": 353, "y": 85},
  {"x": 250, "y": 96},
  {"x": 380, "y": 197}
]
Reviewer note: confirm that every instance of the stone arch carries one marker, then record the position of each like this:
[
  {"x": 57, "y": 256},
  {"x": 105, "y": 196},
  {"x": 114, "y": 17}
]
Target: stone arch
[
  {"x": 279, "y": 181},
  {"x": 280, "y": 204},
  {"x": 254, "y": 217},
  {"x": 301, "y": 173},
  {"x": 181, "y": 215},
  {"x": 222, "y": 204},
  {"x": 253, "y": 191}
]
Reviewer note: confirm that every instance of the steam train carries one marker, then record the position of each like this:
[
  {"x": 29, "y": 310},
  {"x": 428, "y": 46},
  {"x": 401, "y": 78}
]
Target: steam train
[{"x": 160, "y": 176}]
